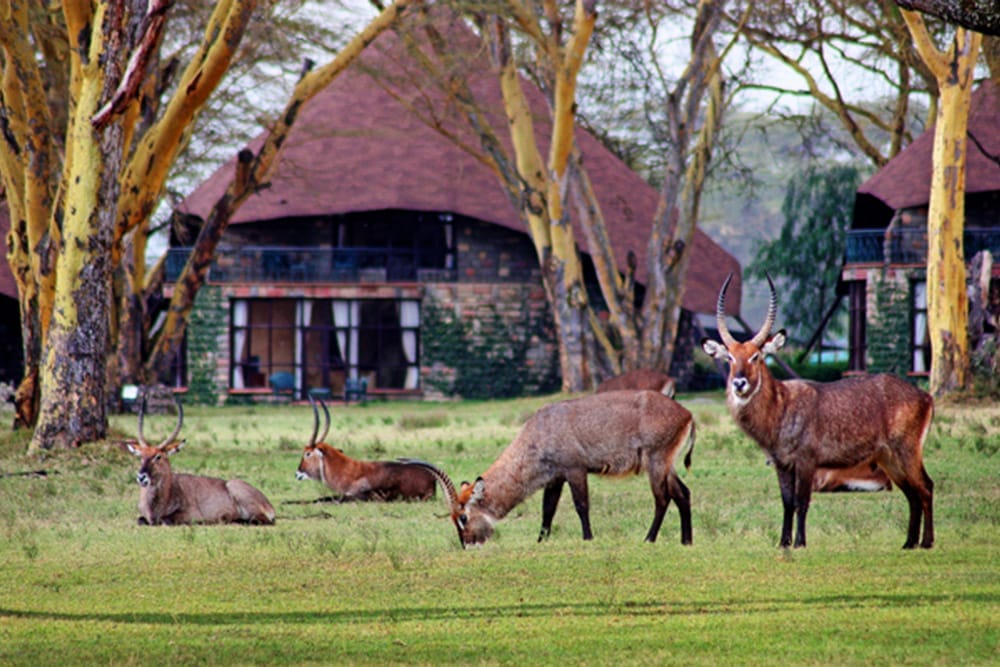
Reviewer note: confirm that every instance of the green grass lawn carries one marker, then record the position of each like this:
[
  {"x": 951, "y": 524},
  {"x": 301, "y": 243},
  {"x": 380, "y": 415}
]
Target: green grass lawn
[{"x": 81, "y": 583}]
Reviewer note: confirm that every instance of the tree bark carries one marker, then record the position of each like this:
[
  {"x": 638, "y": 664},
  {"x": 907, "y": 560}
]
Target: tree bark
[
  {"x": 947, "y": 300},
  {"x": 74, "y": 357}
]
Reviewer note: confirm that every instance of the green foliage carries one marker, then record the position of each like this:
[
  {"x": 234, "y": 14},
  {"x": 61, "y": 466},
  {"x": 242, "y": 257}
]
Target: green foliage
[
  {"x": 369, "y": 583},
  {"x": 807, "y": 256},
  {"x": 208, "y": 321},
  {"x": 889, "y": 328},
  {"x": 488, "y": 362}
]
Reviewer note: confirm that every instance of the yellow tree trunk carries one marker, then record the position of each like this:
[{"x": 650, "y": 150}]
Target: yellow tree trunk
[
  {"x": 947, "y": 301},
  {"x": 74, "y": 353}
]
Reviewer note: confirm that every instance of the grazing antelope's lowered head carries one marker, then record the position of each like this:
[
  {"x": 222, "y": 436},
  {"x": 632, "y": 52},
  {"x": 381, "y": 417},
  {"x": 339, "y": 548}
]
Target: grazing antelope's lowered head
[{"x": 474, "y": 524}]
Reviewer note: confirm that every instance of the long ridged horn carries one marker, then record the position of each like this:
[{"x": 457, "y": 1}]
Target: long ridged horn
[
  {"x": 720, "y": 315},
  {"x": 141, "y": 414},
  {"x": 772, "y": 312},
  {"x": 177, "y": 429},
  {"x": 326, "y": 412},
  {"x": 312, "y": 402},
  {"x": 440, "y": 475}
]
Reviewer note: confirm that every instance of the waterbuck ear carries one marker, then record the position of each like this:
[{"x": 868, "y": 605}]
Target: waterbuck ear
[
  {"x": 714, "y": 348},
  {"x": 477, "y": 490},
  {"x": 775, "y": 342},
  {"x": 174, "y": 447},
  {"x": 132, "y": 448}
]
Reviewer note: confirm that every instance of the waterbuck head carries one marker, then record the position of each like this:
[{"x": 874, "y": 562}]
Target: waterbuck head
[
  {"x": 311, "y": 465},
  {"x": 474, "y": 524},
  {"x": 747, "y": 368},
  {"x": 154, "y": 464}
]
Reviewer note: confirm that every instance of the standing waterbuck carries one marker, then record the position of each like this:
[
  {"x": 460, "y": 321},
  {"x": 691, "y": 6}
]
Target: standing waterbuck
[
  {"x": 617, "y": 433},
  {"x": 803, "y": 426},
  {"x": 169, "y": 498}
]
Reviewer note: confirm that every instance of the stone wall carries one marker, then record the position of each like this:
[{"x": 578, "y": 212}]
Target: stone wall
[{"x": 888, "y": 323}]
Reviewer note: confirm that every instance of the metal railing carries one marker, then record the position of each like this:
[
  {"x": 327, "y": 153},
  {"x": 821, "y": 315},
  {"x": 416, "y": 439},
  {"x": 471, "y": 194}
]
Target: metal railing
[
  {"x": 314, "y": 265},
  {"x": 909, "y": 246}
]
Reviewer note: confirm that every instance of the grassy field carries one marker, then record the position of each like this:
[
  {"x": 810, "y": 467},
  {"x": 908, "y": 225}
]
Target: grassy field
[{"x": 81, "y": 583}]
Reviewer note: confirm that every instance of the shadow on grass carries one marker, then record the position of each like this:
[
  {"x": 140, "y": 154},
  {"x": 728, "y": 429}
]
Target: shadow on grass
[{"x": 594, "y": 609}]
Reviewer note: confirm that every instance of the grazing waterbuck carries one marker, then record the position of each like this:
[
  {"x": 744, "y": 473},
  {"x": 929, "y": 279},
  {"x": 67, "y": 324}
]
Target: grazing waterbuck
[
  {"x": 803, "y": 426},
  {"x": 617, "y": 433}
]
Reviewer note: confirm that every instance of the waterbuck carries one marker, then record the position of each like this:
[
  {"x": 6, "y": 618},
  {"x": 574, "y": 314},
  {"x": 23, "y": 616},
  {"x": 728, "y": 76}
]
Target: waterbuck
[
  {"x": 617, "y": 433},
  {"x": 360, "y": 480},
  {"x": 803, "y": 426},
  {"x": 640, "y": 378},
  {"x": 168, "y": 498}
]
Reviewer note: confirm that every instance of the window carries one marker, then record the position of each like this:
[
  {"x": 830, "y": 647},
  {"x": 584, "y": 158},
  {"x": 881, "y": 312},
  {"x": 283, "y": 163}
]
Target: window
[
  {"x": 920, "y": 345},
  {"x": 322, "y": 342}
]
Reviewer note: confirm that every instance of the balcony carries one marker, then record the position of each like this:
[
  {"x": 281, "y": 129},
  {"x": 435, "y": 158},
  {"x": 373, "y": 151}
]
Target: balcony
[
  {"x": 909, "y": 246},
  {"x": 315, "y": 265}
]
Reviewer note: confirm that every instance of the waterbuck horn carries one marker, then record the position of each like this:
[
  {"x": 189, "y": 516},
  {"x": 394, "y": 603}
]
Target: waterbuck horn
[
  {"x": 312, "y": 402},
  {"x": 177, "y": 429},
  {"x": 720, "y": 315},
  {"x": 772, "y": 312},
  {"x": 441, "y": 476},
  {"x": 326, "y": 413},
  {"x": 141, "y": 413}
]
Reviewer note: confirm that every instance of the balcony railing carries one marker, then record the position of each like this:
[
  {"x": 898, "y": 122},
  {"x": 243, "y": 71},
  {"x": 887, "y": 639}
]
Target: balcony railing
[
  {"x": 314, "y": 265},
  {"x": 909, "y": 246}
]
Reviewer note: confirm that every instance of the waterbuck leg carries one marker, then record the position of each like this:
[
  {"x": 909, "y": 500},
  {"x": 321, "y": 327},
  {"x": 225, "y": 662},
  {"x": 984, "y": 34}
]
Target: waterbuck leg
[
  {"x": 927, "y": 498},
  {"x": 682, "y": 496},
  {"x": 661, "y": 499},
  {"x": 803, "y": 493},
  {"x": 913, "y": 499},
  {"x": 550, "y": 501},
  {"x": 581, "y": 500},
  {"x": 786, "y": 482}
]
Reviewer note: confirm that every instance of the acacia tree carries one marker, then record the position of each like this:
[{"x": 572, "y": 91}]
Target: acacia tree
[
  {"x": 947, "y": 301},
  {"x": 540, "y": 42},
  {"x": 75, "y": 217}
]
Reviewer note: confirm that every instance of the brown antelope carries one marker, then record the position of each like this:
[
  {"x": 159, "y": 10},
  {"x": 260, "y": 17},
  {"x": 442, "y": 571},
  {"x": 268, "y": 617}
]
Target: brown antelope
[
  {"x": 803, "y": 426},
  {"x": 168, "y": 498},
  {"x": 640, "y": 378},
  {"x": 617, "y": 433},
  {"x": 360, "y": 480}
]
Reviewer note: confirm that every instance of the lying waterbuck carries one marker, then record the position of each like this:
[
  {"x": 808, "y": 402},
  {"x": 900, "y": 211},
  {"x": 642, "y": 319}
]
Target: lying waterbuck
[
  {"x": 640, "y": 378},
  {"x": 803, "y": 426},
  {"x": 360, "y": 480},
  {"x": 617, "y": 433},
  {"x": 168, "y": 498}
]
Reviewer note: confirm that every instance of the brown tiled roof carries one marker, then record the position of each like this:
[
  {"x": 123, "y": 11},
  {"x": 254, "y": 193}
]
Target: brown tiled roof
[
  {"x": 8, "y": 287},
  {"x": 905, "y": 181},
  {"x": 356, "y": 147}
]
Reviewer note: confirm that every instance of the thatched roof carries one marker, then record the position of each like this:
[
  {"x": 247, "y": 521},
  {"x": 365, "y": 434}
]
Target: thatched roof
[
  {"x": 905, "y": 181},
  {"x": 356, "y": 146}
]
